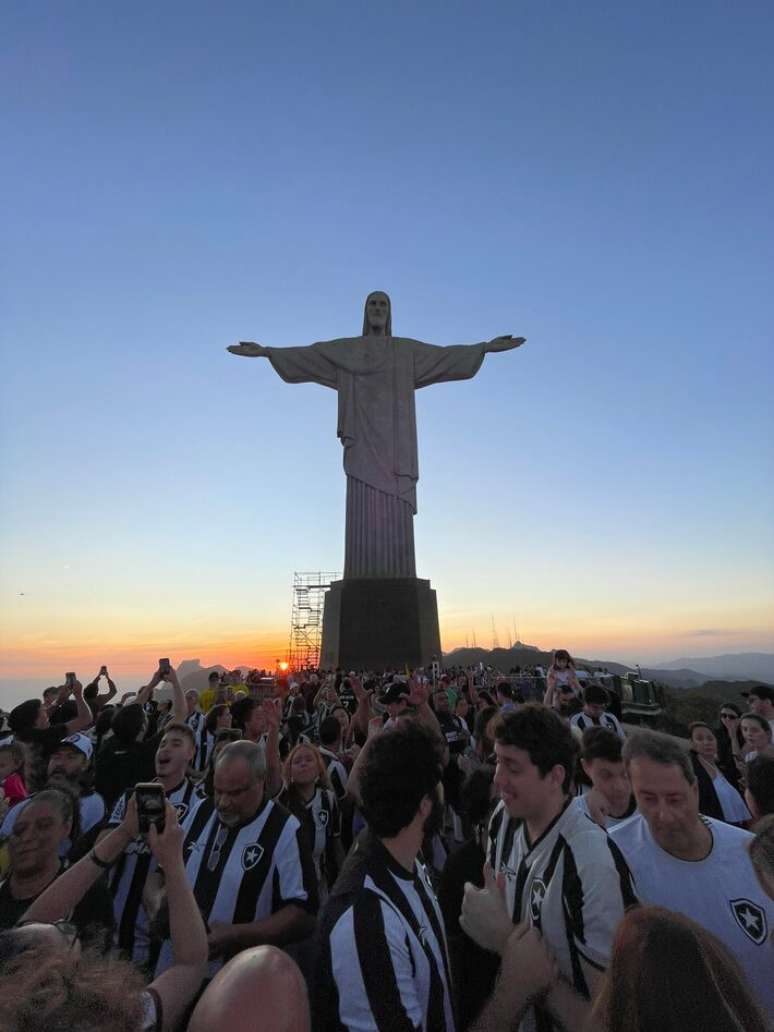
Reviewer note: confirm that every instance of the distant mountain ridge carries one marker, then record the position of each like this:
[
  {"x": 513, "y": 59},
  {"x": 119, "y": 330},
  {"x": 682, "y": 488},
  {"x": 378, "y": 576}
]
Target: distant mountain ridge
[
  {"x": 736, "y": 666},
  {"x": 680, "y": 673}
]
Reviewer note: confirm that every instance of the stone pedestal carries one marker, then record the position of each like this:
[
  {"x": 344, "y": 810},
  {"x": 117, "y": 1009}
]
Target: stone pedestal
[{"x": 373, "y": 623}]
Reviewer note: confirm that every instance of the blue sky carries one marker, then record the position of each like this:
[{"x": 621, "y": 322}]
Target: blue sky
[{"x": 596, "y": 178}]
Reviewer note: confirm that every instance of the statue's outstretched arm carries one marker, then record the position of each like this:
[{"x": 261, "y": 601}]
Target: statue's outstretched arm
[
  {"x": 433, "y": 364},
  {"x": 294, "y": 365},
  {"x": 506, "y": 343},
  {"x": 248, "y": 349}
]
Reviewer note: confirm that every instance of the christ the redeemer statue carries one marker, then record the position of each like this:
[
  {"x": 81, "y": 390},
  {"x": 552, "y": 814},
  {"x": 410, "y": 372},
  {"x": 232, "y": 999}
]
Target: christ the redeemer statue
[{"x": 376, "y": 375}]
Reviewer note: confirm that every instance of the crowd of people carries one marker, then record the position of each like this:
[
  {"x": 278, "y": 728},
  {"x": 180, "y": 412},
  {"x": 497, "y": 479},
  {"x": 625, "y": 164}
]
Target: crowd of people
[{"x": 395, "y": 851}]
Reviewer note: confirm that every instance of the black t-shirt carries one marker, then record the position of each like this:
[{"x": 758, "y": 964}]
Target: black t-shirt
[
  {"x": 473, "y": 970},
  {"x": 119, "y": 767},
  {"x": 93, "y": 916},
  {"x": 42, "y": 743}
]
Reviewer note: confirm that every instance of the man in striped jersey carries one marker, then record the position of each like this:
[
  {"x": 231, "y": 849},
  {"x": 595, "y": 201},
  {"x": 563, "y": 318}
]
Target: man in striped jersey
[
  {"x": 594, "y": 712},
  {"x": 249, "y": 863},
  {"x": 556, "y": 870},
  {"x": 129, "y": 876},
  {"x": 195, "y": 720},
  {"x": 330, "y": 743},
  {"x": 384, "y": 963}
]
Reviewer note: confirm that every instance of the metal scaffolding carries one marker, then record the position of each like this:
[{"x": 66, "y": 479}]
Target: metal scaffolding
[{"x": 306, "y": 618}]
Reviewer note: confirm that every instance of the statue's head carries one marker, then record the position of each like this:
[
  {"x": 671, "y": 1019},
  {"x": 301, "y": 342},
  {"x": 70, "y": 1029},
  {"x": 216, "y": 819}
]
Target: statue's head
[{"x": 377, "y": 316}]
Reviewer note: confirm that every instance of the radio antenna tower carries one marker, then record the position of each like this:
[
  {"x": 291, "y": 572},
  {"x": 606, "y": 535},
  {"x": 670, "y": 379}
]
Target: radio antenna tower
[{"x": 495, "y": 639}]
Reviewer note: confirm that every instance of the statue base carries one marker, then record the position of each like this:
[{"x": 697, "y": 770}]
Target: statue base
[{"x": 380, "y": 622}]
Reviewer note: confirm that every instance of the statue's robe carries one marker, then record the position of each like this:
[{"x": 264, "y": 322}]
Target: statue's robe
[{"x": 376, "y": 378}]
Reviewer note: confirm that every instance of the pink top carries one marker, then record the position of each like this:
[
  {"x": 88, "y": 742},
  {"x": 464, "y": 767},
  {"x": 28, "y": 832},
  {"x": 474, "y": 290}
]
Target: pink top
[{"x": 14, "y": 788}]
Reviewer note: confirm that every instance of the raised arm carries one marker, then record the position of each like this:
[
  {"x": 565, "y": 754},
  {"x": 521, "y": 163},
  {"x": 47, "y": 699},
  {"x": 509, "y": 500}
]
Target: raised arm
[
  {"x": 271, "y": 712},
  {"x": 84, "y": 717},
  {"x": 433, "y": 364}
]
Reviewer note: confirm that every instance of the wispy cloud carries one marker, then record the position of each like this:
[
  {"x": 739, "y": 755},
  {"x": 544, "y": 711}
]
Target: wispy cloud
[{"x": 710, "y": 632}]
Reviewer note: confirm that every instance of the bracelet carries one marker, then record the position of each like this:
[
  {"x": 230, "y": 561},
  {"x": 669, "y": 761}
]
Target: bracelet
[{"x": 104, "y": 864}]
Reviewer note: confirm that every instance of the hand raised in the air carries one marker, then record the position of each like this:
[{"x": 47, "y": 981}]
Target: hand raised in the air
[
  {"x": 506, "y": 343},
  {"x": 248, "y": 349}
]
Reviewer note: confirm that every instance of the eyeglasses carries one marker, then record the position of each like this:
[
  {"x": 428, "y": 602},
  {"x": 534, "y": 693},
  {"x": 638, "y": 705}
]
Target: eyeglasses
[
  {"x": 729, "y": 716},
  {"x": 66, "y": 928},
  {"x": 217, "y": 846}
]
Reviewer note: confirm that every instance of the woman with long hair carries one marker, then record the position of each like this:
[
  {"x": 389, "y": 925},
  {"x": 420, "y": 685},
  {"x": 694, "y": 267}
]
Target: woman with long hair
[
  {"x": 668, "y": 974},
  {"x": 717, "y": 797},
  {"x": 561, "y": 678},
  {"x": 308, "y": 795},
  {"x": 730, "y": 742}
]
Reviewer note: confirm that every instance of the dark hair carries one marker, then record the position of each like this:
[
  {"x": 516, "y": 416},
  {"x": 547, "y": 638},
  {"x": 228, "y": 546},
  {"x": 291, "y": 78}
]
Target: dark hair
[
  {"x": 23, "y": 717},
  {"x": 733, "y": 706},
  {"x": 330, "y": 731},
  {"x": 760, "y": 783},
  {"x": 241, "y": 710},
  {"x": 128, "y": 722},
  {"x": 211, "y": 720},
  {"x": 670, "y": 974},
  {"x": 563, "y": 654},
  {"x": 104, "y": 721},
  {"x": 400, "y": 768},
  {"x": 699, "y": 723},
  {"x": 600, "y": 743},
  {"x": 476, "y": 795},
  {"x": 764, "y": 724},
  {"x": 63, "y": 798},
  {"x": 595, "y": 693},
  {"x": 486, "y": 696},
  {"x": 213, "y": 676},
  {"x": 505, "y": 688},
  {"x": 541, "y": 733}
]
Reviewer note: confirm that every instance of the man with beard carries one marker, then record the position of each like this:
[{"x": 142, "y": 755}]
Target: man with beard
[
  {"x": 69, "y": 764},
  {"x": 248, "y": 861},
  {"x": 384, "y": 962},
  {"x": 130, "y": 872}
]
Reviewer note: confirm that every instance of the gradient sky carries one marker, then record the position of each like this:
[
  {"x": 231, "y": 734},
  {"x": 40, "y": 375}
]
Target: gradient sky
[{"x": 176, "y": 177}]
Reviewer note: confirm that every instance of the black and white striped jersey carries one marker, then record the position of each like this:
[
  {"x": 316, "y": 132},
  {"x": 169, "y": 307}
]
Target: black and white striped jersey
[
  {"x": 197, "y": 723},
  {"x": 337, "y": 772},
  {"x": 572, "y": 884},
  {"x": 248, "y": 872},
  {"x": 607, "y": 720},
  {"x": 383, "y": 960},
  {"x": 321, "y": 822},
  {"x": 128, "y": 875}
]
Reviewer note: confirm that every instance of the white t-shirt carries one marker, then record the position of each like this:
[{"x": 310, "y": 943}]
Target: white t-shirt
[
  {"x": 721, "y": 893},
  {"x": 731, "y": 803}
]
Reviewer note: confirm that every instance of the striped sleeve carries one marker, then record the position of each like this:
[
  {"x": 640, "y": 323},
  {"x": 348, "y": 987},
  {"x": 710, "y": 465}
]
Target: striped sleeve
[
  {"x": 295, "y": 880},
  {"x": 595, "y": 897},
  {"x": 119, "y": 810},
  {"x": 338, "y": 778},
  {"x": 373, "y": 970}
]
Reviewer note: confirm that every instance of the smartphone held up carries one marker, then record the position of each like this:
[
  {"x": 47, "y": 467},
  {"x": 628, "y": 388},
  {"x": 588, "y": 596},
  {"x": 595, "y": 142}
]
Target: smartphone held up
[{"x": 150, "y": 806}]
